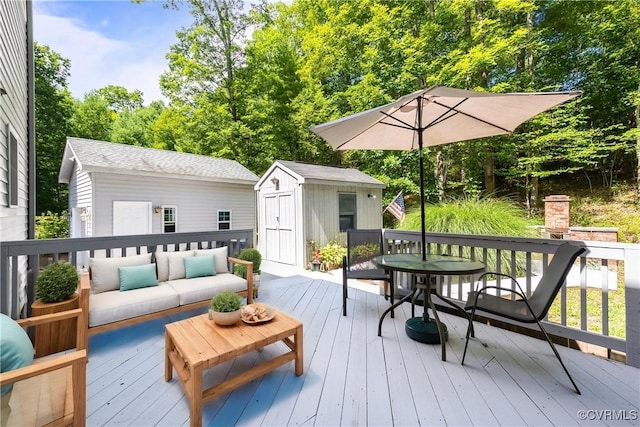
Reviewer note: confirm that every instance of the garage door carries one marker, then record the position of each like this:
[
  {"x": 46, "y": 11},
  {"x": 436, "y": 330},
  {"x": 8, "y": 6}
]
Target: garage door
[
  {"x": 131, "y": 218},
  {"x": 280, "y": 227}
]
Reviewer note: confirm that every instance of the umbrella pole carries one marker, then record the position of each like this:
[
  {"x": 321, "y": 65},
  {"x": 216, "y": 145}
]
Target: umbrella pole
[{"x": 419, "y": 130}]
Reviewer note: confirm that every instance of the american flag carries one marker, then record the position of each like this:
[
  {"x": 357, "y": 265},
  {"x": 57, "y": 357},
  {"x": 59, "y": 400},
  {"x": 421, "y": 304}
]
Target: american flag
[{"x": 396, "y": 208}]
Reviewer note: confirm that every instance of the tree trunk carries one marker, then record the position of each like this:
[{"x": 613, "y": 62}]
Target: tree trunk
[
  {"x": 489, "y": 172},
  {"x": 638, "y": 141}
]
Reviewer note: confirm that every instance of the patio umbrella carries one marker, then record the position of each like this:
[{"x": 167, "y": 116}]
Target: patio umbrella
[{"x": 434, "y": 116}]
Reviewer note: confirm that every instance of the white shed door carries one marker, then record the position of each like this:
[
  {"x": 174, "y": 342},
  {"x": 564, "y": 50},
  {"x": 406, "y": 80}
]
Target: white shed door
[
  {"x": 131, "y": 218},
  {"x": 280, "y": 227}
]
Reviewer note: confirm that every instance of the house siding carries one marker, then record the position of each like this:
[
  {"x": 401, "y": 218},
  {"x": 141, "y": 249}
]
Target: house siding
[
  {"x": 14, "y": 119},
  {"x": 197, "y": 201},
  {"x": 321, "y": 201}
]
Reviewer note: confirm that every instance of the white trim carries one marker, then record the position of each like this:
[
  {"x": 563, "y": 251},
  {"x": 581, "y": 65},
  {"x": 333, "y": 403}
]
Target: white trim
[
  {"x": 230, "y": 219},
  {"x": 13, "y": 161},
  {"x": 175, "y": 217}
]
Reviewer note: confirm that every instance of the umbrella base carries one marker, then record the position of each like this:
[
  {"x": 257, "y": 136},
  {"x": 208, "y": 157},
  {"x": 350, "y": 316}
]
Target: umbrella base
[{"x": 425, "y": 331}]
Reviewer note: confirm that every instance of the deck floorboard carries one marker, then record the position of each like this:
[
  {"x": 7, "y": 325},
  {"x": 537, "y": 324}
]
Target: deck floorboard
[{"x": 353, "y": 377}]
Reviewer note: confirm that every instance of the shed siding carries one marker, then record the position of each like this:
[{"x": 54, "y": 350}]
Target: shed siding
[
  {"x": 321, "y": 211},
  {"x": 80, "y": 189},
  {"x": 197, "y": 201}
]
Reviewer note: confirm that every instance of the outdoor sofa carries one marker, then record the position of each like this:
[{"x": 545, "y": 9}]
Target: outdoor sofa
[{"x": 121, "y": 291}]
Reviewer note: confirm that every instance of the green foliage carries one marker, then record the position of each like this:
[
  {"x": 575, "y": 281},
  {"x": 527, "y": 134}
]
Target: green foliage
[
  {"x": 364, "y": 252},
  {"x": 53, "y": 123},
  {"x": 249, "y": 254},
  {"x": 52, "y": 226},
  {"x": 226, "y": 301},
  {"x": 331, "y": 255},
  {"x": 57, "y": 282},
  {"x": 475, "y": 216}
]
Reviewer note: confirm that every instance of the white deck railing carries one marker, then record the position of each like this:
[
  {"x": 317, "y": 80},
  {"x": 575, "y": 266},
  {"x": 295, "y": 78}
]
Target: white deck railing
[{"x": 605, "y": 266}]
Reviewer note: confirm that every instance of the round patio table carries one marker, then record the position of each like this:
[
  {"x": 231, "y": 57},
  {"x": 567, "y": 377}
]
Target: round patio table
[{"x": 434, "y": 265}]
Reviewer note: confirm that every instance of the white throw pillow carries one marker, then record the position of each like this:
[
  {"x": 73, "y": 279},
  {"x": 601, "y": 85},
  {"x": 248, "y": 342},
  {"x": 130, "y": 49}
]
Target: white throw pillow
[
  {"x": 176, "y": 264},
  {"x": 219, "y": 257},
  {"x": 104, "y": 271}
]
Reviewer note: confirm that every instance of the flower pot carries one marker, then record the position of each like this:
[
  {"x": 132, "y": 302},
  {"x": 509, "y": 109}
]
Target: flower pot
[
  {"x": 224, "y": 318},
  {"x": 256, "y": 285},
  {"x": 315, "y": 265}
]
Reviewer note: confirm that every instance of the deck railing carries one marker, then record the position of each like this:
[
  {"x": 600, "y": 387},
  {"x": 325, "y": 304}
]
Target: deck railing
[
  {"x": 14, "y": 255},
  {"x": 607, "y": 267}
]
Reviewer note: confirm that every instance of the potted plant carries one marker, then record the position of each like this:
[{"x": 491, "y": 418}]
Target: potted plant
[
  {"x": 224, "y": 308},
  {"x": 253, "y": 255},
  {"x": 57, "y": 282},
  {"x": 317, "y": 261}
]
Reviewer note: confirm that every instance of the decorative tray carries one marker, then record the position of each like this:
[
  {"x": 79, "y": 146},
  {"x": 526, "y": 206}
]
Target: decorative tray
[{"x": 256, "y": 313}]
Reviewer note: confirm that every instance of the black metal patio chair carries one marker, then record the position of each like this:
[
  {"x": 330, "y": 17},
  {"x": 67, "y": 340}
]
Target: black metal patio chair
[
  {"x": 362, "y": 246},
  {"x": 523, "y": 309}
]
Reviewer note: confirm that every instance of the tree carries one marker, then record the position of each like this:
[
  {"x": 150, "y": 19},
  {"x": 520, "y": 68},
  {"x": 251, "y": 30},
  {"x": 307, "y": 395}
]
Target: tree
[
  {"x": 53, "y": 114},
  {"x": 93, "y": 118},
  {"x": 137, "y": 127}
]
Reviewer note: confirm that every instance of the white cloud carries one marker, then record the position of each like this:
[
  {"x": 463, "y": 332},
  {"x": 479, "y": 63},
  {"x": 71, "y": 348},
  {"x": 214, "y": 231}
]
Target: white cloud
[{"x": 98, "y": 60}]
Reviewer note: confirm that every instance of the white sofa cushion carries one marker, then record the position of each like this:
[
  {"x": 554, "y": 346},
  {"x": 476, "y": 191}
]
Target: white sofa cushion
[
  {"x": 107, "y": 307},
  {"x": 219, "y": 257},
  {"x": 104, "y": 271},
  {"x": 203, "y": 288}
]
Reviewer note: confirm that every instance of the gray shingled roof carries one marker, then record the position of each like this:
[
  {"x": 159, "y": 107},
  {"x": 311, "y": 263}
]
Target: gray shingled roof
[
  {"x": 101, "y": 155},
  {"x": 329, "y": 173}
]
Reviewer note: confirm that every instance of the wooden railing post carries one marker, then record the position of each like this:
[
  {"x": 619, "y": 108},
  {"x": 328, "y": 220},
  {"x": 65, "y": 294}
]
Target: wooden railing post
[{"x": 632, "y": 304}]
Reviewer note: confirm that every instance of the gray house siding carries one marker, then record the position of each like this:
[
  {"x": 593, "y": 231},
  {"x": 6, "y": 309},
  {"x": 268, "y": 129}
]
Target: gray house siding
[
  {"x": 197, "y": 201},
  {"x": 16, "y": 213}
]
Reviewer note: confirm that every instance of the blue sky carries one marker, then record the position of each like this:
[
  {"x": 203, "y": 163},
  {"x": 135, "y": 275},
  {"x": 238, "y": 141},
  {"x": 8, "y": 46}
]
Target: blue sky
[{"x": 110, "y": 42}]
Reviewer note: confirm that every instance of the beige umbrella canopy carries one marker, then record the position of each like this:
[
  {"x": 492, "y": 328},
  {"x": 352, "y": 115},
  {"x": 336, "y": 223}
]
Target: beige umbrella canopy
[{"x": 434, "y": 116}]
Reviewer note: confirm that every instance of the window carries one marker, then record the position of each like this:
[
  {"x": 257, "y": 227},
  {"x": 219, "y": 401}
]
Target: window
[
  {"x": 224, "y": 220},
  {"x": 347, "y": 211},
  {"x": 12, "y": 197},
  {"x": 169, "y": 219}
]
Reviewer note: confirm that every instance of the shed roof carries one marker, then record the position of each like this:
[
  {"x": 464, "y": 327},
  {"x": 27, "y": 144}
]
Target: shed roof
[
  {"x": 109, "y": 157},
  {"x": 308, "y": 171}
]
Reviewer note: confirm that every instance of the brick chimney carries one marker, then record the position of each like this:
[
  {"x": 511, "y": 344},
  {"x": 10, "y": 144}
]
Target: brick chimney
[{"x": 556, "y": 214}]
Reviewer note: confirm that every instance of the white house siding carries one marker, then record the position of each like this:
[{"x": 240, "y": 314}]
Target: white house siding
[
  {"x": 197, "y": 201},
  {"x": 80, "y": 196},
  {"x": 14, "y": 221}
]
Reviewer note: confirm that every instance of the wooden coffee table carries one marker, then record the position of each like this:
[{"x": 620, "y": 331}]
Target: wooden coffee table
[{"x": 196, "y": 344}]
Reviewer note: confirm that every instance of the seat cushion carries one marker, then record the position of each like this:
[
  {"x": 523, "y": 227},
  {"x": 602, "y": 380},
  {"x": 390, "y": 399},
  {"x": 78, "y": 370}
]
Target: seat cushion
[
  {"x": 16, "y": 350},
  {"x": 107, "y": 307},
  {"x": 203, "y": 288}
]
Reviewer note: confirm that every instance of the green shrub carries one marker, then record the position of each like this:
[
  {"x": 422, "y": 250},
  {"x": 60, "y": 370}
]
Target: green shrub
[
  {"x": 57, "y": 282},
  {"x": 364, "y": 252},
  {"x": 476, "y": 216},
  {"x": 226, "y": 301},
  {"x": 249, "y": 254},
  {"x": 331, "y": 255},
  {"x": 52, "y": 226}
]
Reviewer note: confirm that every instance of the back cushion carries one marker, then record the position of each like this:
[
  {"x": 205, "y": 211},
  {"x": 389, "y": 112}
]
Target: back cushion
[
  {"x": 16, "y": 349},
  {"x": 219, "y": 257},
  {"x": 176, "y": 264},
  {"x": 104, "y": 271}
]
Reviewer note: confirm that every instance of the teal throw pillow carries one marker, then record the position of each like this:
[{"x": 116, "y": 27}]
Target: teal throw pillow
[
  {"x": 199, "y": 266},
  {"x": 16, "y": 350},
  {"x": 137, "y": 276}
]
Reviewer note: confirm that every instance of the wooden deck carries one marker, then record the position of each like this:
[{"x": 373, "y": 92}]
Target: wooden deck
[{"x": 353, "y": 377}]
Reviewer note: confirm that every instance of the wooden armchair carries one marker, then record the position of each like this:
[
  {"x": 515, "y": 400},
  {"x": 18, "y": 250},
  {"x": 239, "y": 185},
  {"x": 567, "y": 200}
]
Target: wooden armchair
[{"x": 52, "y": 390}]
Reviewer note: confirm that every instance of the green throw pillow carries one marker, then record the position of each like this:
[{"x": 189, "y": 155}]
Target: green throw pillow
[
  {"x": 137, "y": 276},
  {"x": 199, "y": 266},
  {"x": 16, "y": 350}
]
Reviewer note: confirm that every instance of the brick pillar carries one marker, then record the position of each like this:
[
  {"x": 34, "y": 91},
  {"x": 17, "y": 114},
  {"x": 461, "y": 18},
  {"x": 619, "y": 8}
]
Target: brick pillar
[{"x": 556, "y": 214}]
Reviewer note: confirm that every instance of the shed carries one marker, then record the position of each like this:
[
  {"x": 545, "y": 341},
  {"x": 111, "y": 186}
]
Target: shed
[
  {"x": 305, "y": 206},
  {"x": 119, "y": 189}
]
